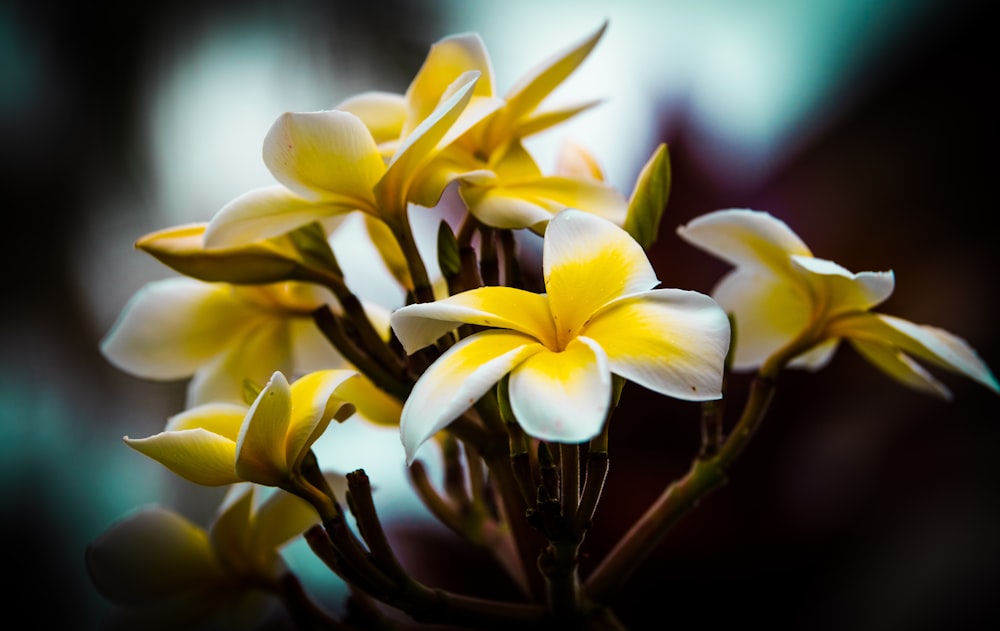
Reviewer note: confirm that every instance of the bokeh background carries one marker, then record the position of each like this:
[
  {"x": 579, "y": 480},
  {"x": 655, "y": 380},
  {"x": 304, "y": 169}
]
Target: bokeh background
[{"x": 868, "y": 125}]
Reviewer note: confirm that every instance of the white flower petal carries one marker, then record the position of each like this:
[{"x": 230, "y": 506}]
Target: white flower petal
[
  {"x": 231, "y": 535},
  {"x": 170, "y": 328},
  {"x": 768, "y": 313},
  {"x": 314, "y": 405},
  {"x": 843, "y": 290},
  {"x": 900, "y": 367},
  {"x": 671, "y": 341},
  {"x": 816, "y": 357},
  {"x": 279, "y": 518},
  {"x": 373, "y": 404},
  {"x": 446, "y": 60},
  {"x": 198, "y": 455},
  {"x": 453, "y": 383},
  {"x": 383, "y": 113},
  {"x": 324, "y": 154},
  {"x": 931, "y": 344},
  {"x": 745, "y": 238},
  {"x": 260, "y": 447},
  {"x": 531, "y": 89},
  {"x": 419, "y": 147},
  {"x": 562, "y": 397},
  {"x": 270, "y": 212},
  {"x": 419, "y": 325},
  {"x": 524, "y": 204},
  {"x": 224, "y": 419},
  {"x": 263, "y": 347},
  {"x": 503, "y": 208}
]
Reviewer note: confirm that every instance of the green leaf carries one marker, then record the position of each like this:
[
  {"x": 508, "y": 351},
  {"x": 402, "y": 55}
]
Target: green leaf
[
  {"x": 313, "y": 246},
  {"x": 649, "y": 198},
  {"x": 447, "y": 251},
  {"x": 181, "y": 248}
]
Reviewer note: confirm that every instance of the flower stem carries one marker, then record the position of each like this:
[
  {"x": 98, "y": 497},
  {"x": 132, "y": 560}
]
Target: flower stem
[
  {"x": 422, "y": 289},
  {"x": 569, "y": 461},
  {"x": 705, "y": 475},
  {"x": 559, "y": 564},
  {"x": 332, "y": 328},
  {"x": 361, "y": 327}
]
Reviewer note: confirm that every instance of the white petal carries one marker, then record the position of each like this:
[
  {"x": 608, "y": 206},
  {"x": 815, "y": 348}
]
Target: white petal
[
  {"x": 420, "y": 146},
  {"x": 531, "y": 89},
  {"x": 279, "y": 518},
  {"x": 324, "y": 154},
  {"x": 668, "y": 340},
  {"x": 842, "y": 290},
  {"x": 900, "y": 367},
  {"x": 453, "y": 383},
  {"x": 562, "y": 397},
  {"x": 314, "y": 405},
  {"x": 931, "y": 344},
  {"x": 171, "y": 327},
  {"x": 231, "y": 536},
  {"x": 419, "y": 325},
  {"x": 745, "y": 238},
  {"x": 446, "y": 60},
  {"x": 524, "y": 204},
  {"x": 263, "y": 347},
  {"x": 270, "y": 212},
  {"x": 260, "y": 447},
  {"x": 768, "y": 313},
  {"x": 383, "y": 113},
  {"x": 502, "y": 208},
  {"x": 198, "y": 455},
  {"x": 224, "y": 419},
  {"x": 816, "y": 357},
  {"x": 372, "y": 403}
]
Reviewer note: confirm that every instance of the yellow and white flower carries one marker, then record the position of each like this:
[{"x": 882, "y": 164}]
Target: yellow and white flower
[
  {"x": 224, "y": 443},
  {"x": 166, "y": 571},
  {"x": 327, "y": 164},
  {"x": 600, "y": 316},
  {"x": 499, "y": 180},
  {"x": 792, "y": 306},
  {"x": 220, "y": 334}
]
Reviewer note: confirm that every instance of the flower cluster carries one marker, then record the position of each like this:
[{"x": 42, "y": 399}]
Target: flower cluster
[{"x": 512, "y": 372}]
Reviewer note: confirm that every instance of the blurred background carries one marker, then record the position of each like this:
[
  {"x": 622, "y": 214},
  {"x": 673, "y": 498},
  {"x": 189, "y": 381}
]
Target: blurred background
[{"x": 867, "y": 125}]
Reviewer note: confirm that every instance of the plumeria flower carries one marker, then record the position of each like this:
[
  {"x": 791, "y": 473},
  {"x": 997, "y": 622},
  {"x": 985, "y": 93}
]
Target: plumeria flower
[
  {"x": 499, "y": 180},
  {"x": 328, "y": 164},
  {"x": 495, "y": 120},
  {"x": 791, "y": 305},
  {"x": 166, "y": 572},
  {"x": 221, "y": 334},
  {"x": 224, "y": 443},
  {"x": 511, "y": 192},
  {"x": 599, "y": 316}
]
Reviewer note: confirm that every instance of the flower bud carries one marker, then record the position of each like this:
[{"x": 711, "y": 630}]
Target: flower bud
[{"x": 182, "y": 249}]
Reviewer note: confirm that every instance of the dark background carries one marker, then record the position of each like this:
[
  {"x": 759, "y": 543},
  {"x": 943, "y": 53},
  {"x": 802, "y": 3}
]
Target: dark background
[{"x": 859, "y": 504}]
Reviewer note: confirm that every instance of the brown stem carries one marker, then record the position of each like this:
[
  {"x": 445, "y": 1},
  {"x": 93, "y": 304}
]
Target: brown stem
[
  {"x": 705, "y": 475},
  {"x": 332, "y": 328},
  {"x": 570, "y": 479}
]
